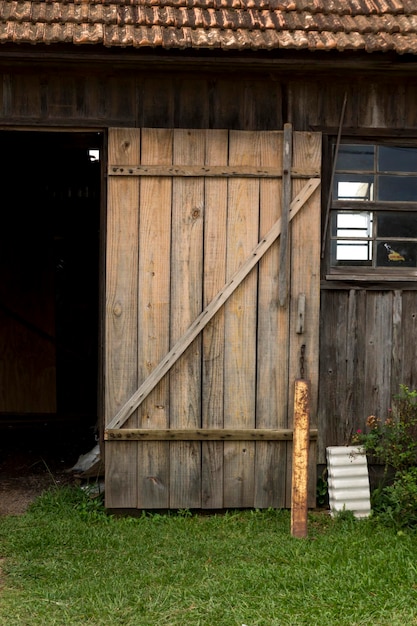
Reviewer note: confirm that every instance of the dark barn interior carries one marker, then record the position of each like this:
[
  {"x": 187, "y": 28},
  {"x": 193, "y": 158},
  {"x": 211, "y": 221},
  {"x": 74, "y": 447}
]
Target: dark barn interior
[{"x": 49, "y": 290}]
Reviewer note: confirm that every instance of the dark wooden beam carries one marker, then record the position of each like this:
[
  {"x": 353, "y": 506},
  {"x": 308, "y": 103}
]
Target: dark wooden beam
[{"x": 202, "y": 434}]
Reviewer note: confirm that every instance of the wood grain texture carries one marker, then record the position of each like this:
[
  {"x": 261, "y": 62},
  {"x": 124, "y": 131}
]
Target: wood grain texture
[
  {"x": 121, "y": 357},
  {"x": 208, "y": 171},
  {"x": 378, "y": 352},
  {"x": 213, "y": 372},
  {"x": 272, "y": 343},
  {"x": 201, "y": 321},
  {"x": 240, "y": 323},
  {"x": 407, "y": 373},
  {"x": 154, "y": 315},
  {"x": 219, "y": 437},
  {"x": 203, "y": 434},
  {"x": 186, "y": 304},
  {"x": 89, "y": 96},
  {"x": 285, "y": 240},
  {"x": 367, "y": 352}
]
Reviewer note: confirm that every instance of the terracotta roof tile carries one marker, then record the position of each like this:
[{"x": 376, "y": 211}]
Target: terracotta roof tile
[{"x": 371, "y": 25}]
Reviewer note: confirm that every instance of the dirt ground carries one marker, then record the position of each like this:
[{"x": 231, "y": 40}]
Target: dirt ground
[{"x": 34, "y": 460}]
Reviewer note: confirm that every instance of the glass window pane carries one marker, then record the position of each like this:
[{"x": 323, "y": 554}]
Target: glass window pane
[
  {"x": 353, "y": 224},
  {"x": 353, "y": 251},
  {"x": 351, "y": 238},
  {"x": 397, "y": 159},
  {"x": 353, "y": 187},
  {"x": 355, "y": 157},
  {"x": 397, "y": 224},
  {"x": 397, "y": 188},
  {"x": 396, "y": 254}
]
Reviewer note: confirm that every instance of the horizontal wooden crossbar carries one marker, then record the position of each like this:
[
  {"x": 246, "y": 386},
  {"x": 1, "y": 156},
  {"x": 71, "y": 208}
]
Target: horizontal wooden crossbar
[
  {"x": 214, "y": 171},
  {"x": 202, "y": 434}
]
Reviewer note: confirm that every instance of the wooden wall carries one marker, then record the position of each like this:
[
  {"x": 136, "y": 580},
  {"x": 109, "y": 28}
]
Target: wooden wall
[
  {"x": 367, "y": 349},
  {"x": 367, "y": 337},
  {"x": 100, "y": 96}
]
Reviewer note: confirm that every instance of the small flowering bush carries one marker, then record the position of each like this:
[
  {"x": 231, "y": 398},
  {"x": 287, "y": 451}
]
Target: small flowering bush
[{"x": 393, "y": 442}]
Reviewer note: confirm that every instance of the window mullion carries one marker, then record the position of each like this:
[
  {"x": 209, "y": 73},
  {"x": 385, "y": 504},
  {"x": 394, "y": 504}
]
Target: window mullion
[{"x": 358, "y": 240}]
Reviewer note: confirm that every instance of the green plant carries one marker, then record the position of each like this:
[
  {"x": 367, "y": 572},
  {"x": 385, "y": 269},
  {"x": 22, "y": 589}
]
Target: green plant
[
  {"x": 398, "y": 502},
  {"x": 322, "y": 488},
  {"x": 345, "y": 517},
  {"x": 393, "y": 442}
]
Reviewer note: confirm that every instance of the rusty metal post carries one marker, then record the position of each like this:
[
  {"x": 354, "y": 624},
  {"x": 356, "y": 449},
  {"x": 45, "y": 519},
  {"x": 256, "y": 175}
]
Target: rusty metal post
[{"x": 301, "y": 442}]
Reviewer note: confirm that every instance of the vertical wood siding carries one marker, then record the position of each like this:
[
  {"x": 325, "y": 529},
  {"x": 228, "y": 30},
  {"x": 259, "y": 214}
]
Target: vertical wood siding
[
  {"x": 235, "y": 100},
  {"x": 272, "y": 371},
  {"x": 186, "y": 294},
  {"x": 213, "y": 372},
  {"x": 174, "y": 241},
  {"x": 121, "y": 341},
  {"x": 154, "y": 304},
  {"x": 367, "y": 349},
  {"x": 240, "y": 322}
]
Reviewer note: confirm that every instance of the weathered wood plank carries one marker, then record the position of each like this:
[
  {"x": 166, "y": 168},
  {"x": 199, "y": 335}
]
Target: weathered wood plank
[
  {"x": 272, "y": 344},
  {"x": 397, "y": 376},
  {"x": 332, "y": 369},
  {"x": 305, "y": 279},
  {"x": 351, "y": 417},
  {"x": 121, "y": 367},
  {"x": 210, "y": 171},
  {"x": 359, "y": 378},
  {"x": 192, "y": 102},
  {"x": 142, "y": 98},
  {"x": 378, "y": 352},
  {"x": 157, "y": 111},
  {"x": 409, "y": 339},
  {"x": 186, "y": 304},
  {"x": 351, "y": 365},
  {"x": 240, "y": 324},
  {"x": 241, "y": 104},
  {"x": 154, "y": 313},
  {"x": 285, "y": 242},
  {"x": 215, "y": 220},
  {"x": 367, "y": 350},
  {"x": 203, "y": 434}
]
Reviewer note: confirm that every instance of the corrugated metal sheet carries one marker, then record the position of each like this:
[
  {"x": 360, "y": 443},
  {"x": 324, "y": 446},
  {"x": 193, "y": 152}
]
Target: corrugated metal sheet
[
  {"x": 348, "y": 480},
  {"x": 371, "y": 25}
]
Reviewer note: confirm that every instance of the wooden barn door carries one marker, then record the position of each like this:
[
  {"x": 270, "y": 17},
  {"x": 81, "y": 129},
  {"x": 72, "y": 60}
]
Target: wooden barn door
[{"x": 205, "y": 315}]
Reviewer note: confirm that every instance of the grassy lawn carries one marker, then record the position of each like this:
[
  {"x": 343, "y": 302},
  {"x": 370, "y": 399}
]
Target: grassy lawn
[{"x": 65, "y": 562}]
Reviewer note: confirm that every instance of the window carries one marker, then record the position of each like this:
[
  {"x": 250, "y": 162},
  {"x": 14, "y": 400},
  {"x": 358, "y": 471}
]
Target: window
[{"x": 373, "y": 221}]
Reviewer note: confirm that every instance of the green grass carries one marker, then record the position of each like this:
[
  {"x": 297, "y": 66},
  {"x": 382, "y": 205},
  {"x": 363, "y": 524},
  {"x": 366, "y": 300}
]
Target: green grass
[{"x": 66, "y": 562}]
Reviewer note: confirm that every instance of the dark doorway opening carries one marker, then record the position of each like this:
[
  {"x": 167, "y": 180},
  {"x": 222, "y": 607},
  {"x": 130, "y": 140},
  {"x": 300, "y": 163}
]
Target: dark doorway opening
[{"x": 49, "y": 295}]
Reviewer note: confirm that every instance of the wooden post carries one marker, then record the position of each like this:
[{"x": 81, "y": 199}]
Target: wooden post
[
  {"x": 284, "y": 250},
  {"x": 301, "y": 441}
]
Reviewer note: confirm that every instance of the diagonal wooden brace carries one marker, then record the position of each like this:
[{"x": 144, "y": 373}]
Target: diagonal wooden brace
[{"x": 208, "y": 313}]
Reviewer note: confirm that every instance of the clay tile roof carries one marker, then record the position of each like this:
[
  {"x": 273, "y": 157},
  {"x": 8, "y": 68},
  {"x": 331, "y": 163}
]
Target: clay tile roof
[{"x": 370, "y": 25}]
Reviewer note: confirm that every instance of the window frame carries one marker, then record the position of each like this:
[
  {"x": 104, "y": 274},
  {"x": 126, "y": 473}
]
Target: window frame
[{"x": 360, "y": 271}]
